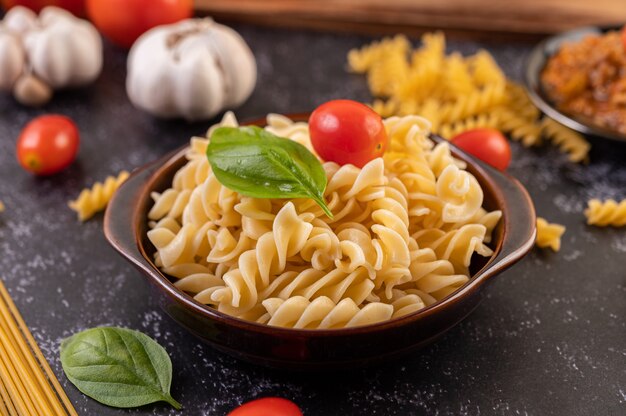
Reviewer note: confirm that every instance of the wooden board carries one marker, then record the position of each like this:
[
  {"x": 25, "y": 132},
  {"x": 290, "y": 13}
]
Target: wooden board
[{"x": 532, "y": 17}]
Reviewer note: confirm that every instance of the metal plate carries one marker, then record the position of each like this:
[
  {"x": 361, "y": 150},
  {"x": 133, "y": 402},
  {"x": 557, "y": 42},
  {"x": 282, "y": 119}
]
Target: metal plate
[{"x": 535, "y": 65}]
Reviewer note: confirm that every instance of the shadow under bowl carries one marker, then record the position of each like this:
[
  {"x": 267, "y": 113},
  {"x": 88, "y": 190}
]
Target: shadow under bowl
[{"x": 126, "y": 227}]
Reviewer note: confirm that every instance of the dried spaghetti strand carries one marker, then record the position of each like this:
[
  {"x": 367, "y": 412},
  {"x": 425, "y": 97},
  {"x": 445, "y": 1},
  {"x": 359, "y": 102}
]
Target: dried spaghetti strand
[
  {"x": 15, "y": 387},
  {"x": 6, "y": 403},
  {"x": 43, "y": 390},
  {"x": 30, "y": 371}
]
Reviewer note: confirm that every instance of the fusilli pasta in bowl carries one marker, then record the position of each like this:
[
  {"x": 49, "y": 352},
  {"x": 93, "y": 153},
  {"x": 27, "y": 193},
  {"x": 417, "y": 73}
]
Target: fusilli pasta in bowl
[{"x": 413, "y": 238}]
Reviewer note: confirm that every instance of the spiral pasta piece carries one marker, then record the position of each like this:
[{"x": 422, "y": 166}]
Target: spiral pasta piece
[
  {"x": 549, "y": 235},
  {"x": 460, "y": 193},
  {"x": 456, "y": 246},
  {"x": 311, "y": 283},
  {"x": 567, "y": 139},
  {"x": 482, "y": 120},
  {"x": 607, "y": 213},
  {"x": 93, "y": 200},
  {"x": 323, "y": 313}
]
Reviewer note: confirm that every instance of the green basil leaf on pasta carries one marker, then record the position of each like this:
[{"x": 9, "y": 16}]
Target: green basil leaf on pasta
[
  {"x": 256, "y": 163},
  {"x": 118, "y": 367}
]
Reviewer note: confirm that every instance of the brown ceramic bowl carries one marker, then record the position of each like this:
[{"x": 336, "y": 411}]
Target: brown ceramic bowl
[{"x": 125, "y": 226}]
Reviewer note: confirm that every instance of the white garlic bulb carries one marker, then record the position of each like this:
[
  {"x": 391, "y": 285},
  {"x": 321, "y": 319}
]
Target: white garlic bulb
[
  {"x": 64, "y": 51},
  {"x": 192, "y": 69},
  {"x": 52, "y": 51}
]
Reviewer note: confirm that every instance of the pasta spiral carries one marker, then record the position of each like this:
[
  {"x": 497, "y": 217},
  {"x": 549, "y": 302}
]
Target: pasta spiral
[
  {"x": 568, "y": 140},
  {"x": 404, "y": 229},
  {"x": 549, "y": 235},
  {"x": 91, "y": 201},
  {"x": 323, "y": 313},
  {"x": 607, "y": 213}
]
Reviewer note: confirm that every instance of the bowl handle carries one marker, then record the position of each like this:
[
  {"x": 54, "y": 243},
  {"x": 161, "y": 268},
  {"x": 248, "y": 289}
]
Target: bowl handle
[
  {"x": 520, "y": 223},
  {"x": 118, "y": 218}
]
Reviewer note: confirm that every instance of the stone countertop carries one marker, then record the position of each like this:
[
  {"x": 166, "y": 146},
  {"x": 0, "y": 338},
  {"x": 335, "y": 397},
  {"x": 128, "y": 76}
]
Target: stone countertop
[{"x": 549, "y": 337}]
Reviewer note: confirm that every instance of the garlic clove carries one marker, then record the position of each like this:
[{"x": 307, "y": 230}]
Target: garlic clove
[
  {"x": 193, "y": 106},
  {"x": 64, "y": 51},
  {"x": 12, "y": 59},
  {"x": 49, "y": 58},
  {"x": 31, "y": 91},
  {"x": 144, "y": 73},
  {"x": 20, "y": 20},
  {"x": 239, "y": 68},
  {"x": 51, "y": 15}
]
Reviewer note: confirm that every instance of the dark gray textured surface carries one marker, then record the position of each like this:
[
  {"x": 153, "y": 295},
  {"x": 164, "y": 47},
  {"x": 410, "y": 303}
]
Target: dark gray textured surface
[{"x": 550, "y": 337}]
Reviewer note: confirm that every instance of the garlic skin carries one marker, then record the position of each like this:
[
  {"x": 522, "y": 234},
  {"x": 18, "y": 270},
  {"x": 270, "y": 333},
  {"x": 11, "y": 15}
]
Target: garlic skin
[
  {"x": 191, "y": 69},
  {"x": 12, "y": 59}
]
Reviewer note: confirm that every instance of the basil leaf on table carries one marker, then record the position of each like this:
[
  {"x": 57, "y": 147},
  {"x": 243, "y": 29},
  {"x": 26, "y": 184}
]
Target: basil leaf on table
[
  {"x": 256, "y": 163},
  {"x": 118, "y": 367}
]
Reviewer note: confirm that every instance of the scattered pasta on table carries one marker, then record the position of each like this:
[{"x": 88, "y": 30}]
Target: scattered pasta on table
[
  {"x": 566, "y": 139},
  {"x": 455, "y": 93},
  {"x": 549, "y": 234},
  {"x": 95, "y": 199},
  {"x": 607, "y": 213}
]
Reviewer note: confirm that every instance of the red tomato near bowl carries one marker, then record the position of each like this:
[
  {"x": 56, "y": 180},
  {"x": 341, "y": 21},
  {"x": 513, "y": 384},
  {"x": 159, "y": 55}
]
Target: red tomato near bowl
[
  {"x": 347, "y": 132},
  {"x": 488, "y": 145},
  {"x": 48, "y": 144},
  {"x": 75, "y": 6},
  {"x": 123, "y": 21},
  {"x": 269, "y": 406}
]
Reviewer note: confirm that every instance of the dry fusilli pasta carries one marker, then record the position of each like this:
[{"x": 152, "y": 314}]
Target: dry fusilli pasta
[
  {"x": 403, "y": 231},
  {"x": 95, "y": 199},
  {"x": 570, "y": 142},
  {"x": 548, "y": 234},
  {"x": 323, "y": 313},
  {"x": 455, "y": 93},
  {"x": 607, "y": 213}
]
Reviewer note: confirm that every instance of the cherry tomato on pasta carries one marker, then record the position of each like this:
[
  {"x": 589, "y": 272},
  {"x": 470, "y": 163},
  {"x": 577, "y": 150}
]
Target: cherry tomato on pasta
[
  {"x": 123, "y": 21},
  {"x": 75, "y": 6},
  {"x": 48, "y": 144},
  {"x": 345, "y": 131},
  {"x": 488, "y": 145},
  {"x": 269, "y": 406}
]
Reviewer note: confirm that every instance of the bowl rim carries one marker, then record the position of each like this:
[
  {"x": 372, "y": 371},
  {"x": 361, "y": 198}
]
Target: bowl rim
[
  {"x": 536, "y": 62},
  {"x": 495, "y": 180}
]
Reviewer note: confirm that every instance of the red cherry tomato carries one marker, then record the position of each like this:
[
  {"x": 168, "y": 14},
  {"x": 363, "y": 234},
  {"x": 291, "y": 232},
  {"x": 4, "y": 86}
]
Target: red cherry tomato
[
  {"x": 75, "y": 6},
  {"x": 123, "y": 21},
  {"x": 488, "y": 145},
  {"x": 48, "y": 144},
  {"x": 269, "y": 406},
  {"x": 345, "y": 131}
]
